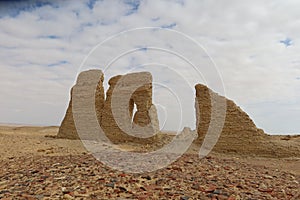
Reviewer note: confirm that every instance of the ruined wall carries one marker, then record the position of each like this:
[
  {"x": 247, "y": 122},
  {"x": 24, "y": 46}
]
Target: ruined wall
[
  {"x": 145, "y": 116},
  {"x": 67, "y": 128},
  {"x": 239, "y": 133}
]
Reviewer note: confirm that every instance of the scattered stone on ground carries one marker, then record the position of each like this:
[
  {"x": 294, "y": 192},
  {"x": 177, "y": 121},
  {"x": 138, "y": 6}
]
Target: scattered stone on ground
[
  {"x": 83, "y": 177},
  {"x": 33, "y": 166}
]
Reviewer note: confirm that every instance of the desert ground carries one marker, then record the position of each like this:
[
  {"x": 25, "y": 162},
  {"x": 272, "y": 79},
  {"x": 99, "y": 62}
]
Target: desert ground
[{"x": 36, "y": 165}]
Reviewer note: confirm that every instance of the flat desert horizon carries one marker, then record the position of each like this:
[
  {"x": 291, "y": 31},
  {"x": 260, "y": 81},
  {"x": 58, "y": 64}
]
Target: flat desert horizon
[{"x": 55, "y": 125}]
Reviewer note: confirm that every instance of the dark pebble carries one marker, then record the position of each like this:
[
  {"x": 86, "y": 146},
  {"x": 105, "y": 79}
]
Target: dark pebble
[
  {"x": 4, "y": 191},
  {"x": 147, "y": 177},
  {"x": 217, "y": 192},
  {"x": 122, "y": 189}
]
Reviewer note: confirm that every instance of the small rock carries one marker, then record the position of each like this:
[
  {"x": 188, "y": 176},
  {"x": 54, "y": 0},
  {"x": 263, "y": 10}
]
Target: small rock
[
  {"x": 122, "y": 189},
  {"x": 39, "y": 196},
  {"x": 217, "y": 192},
  {"x": 114, "y": 180},
  {"x": 60, "y": 178},
  {"x": 34, "y": 171},
  {"x": 143, "y": 188},
  {"x": 262, "y": 186},
  {"x": 147, "y": 177},
  {"x": 112, "y": 185},
  {"x": 210, "y": 189},
  {"x": 268, "y": 177},
  {"x": 4, "y": 191},
  {"x": 67, "y": 196},
  {"x": 65, "y": 190},
  {"x": 3, "y": 182},
  {"x": 77, "y": 194},
  {"x": 122, "y": 175},
  {"x": 184, "y": 198}
]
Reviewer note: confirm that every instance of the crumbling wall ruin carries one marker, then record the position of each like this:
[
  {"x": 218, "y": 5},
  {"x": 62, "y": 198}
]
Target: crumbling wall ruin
[
  {"x": 145, "y": 116},
  {"x": 67, "y": 129},
  {"x": 239, "y": 133},
  {"x": 236, "y": 121}
]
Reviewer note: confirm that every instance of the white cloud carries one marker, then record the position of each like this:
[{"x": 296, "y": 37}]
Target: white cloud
[{"x": 243, "y": 38}]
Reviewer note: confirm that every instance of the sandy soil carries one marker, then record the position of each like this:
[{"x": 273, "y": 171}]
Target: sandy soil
[
  {"x": 40, "y": 141},
  {"x": 19, "y": 143},
  {"x": 24, "y": 141}
]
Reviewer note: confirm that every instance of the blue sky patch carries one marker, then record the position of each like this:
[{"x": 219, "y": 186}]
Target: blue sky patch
[
  {"x": 134, "y": 6},
  {"x": 83, "y": 26},
  {"x": 91, "y": 4},
  {"x": 57, "y": 63},
  {"x": 14, "y": 8},
  {"x": 169, "y": 25},
  {"x": 143, "y": 49},
  {"x": 53, "y": 37},
  {"x": 155, "y": 19},
  {"x": 287, "y": 42}
]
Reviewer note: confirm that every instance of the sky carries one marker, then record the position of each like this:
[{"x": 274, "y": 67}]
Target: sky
[{"x": 248, "y": 51}]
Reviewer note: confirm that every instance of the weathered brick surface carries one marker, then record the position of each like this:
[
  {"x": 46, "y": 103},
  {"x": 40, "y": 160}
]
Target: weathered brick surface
[
  {"x": 67, "y": 129},
  {"x": 144, "y": 118}
]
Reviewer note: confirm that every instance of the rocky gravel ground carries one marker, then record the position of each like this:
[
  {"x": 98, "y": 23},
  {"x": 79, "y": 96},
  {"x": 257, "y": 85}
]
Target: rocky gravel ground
[{"x": 83, "y": 177}]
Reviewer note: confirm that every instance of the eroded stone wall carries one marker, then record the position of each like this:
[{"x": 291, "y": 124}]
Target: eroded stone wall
[
  {"x": 126, "y": 95},
  {"x": 239, "y": 133},
  {"x": 67, "y": 128},
  {"x": 124, "y": 88}
]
